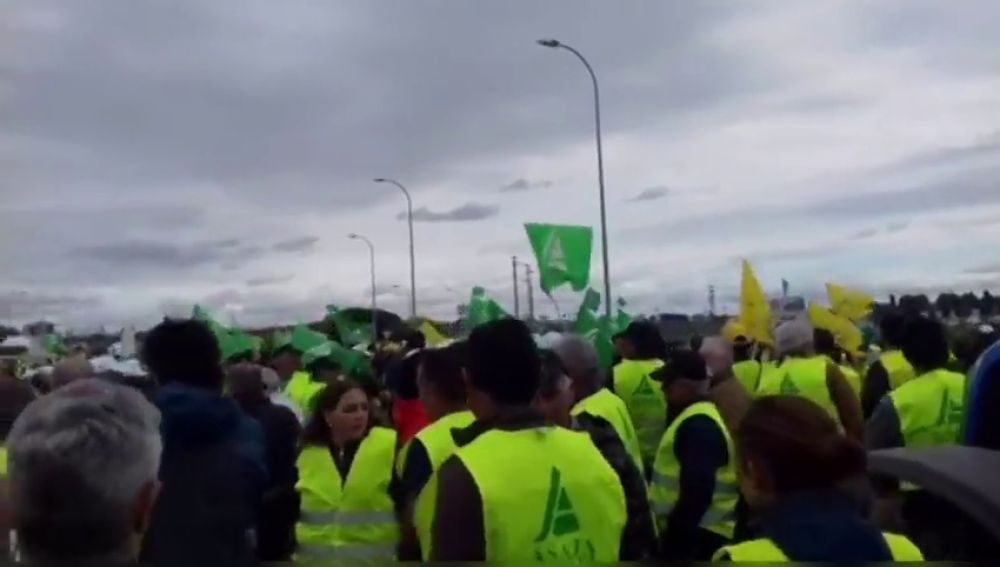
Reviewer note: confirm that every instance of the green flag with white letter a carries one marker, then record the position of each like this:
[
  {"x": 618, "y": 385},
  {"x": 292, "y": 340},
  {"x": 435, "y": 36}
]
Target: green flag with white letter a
[{"x": 563, "y": 254}]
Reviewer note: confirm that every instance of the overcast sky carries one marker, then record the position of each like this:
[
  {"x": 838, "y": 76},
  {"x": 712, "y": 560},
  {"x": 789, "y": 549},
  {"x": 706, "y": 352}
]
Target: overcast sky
[{"x": 156, "y": 154}]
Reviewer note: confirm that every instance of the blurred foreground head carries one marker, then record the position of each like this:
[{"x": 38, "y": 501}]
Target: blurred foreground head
[
  {"x": 504, "y": 367},
  {"x": 83, "y": 464},
  {"x": 184, "y": 352},
  {"x": 788, "y": 444}
]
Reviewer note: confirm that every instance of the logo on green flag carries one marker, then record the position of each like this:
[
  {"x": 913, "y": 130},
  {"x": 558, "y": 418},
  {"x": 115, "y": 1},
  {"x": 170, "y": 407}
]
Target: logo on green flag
[{"x": 562, "y": 253}]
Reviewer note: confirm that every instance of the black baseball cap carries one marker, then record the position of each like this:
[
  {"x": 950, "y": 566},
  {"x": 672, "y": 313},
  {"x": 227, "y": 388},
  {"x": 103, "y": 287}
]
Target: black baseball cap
[{"x": 683, "y": 364}]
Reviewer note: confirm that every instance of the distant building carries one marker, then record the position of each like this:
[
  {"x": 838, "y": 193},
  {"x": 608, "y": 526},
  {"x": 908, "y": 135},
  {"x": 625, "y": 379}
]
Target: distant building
[{"x": 39, "y": 329}]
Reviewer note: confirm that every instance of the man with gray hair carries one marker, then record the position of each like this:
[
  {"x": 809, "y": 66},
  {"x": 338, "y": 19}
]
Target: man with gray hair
[
  {"x": 727, "y": 392},
  {"x": 816, "y": 378},
  {"x": 82, "y": 474},
  {"x": 579, "y": 360}
]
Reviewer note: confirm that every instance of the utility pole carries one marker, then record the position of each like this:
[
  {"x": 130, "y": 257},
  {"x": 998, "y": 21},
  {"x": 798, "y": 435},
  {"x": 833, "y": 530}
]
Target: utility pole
[
  {"x": 711, "y": 300},
  {"x": 531, "y": 292},
  {"x": 517, "y": 303}
]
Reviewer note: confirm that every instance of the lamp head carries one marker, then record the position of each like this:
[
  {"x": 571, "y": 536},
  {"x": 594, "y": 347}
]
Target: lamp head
[
  {"x": 353, "y": 236},
  {"x": 549, "y": 42},
  {"x": 379, "y": 180}
]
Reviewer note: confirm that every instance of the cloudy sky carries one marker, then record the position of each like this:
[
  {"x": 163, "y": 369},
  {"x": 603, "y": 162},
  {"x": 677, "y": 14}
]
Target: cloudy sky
[{"x": 156, "y": 154}]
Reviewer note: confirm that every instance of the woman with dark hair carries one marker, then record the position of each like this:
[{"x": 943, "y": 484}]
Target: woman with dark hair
[
  {"x": 793, "y": 462},
  {"x": 345, "y": 468}
]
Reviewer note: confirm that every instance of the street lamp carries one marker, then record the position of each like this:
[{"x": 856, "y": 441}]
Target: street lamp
[
  {"x": 413, "y": 262},
  {"x": 371, "y": 252},
  {"x": 600, "y": 167}
]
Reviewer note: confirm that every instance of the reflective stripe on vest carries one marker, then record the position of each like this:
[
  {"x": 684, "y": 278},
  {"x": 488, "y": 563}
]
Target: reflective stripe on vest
[
  {"x": 930, "y": 408},
  {"x": 805, "y": 377},
  {"x": 748, "y": 373},
  {"x": 439, "y": 443},
  {"x": 3, "y": 461},
  {"x": 665, "y": 487},
  {"x": 548, "y": 494},
  {"x": 352, "y": 518},
  {"x": 761, "y": 550},
  {"x": 899, "y": 369},
  {"x": 643, "y": 396},
  {"x": 302, "y": 390},
  {"x": 609, "y": 407}
]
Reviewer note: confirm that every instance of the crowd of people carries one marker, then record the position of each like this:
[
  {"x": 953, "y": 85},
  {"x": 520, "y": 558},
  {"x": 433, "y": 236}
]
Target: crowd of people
[{"x": 487, "y": 449}]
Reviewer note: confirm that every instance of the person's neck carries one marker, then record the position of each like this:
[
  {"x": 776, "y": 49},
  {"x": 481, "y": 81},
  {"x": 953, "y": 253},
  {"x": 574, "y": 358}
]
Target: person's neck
[
  {"x": 451, "y": 410},
  {"x": 590, "y": 390},
  {"x": 339, "y": 442},
  {"x": 722, "y": 376}
]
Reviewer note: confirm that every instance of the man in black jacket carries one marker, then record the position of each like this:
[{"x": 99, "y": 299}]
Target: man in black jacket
[
  {"x": 212, "y": 471},
  {"x": 276, "y": 527}
]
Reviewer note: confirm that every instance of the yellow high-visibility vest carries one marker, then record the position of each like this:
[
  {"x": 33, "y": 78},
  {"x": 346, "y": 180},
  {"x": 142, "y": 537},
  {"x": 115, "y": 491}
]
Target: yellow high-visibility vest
[
  {"x": 665, "y": 488},
  {"x": 3, "y": 461},
  {"x": 930, "y": 408},
  {"x": 352, "y": 519},
  {"x": 303, "y": 390},
  {"x": 609, "y": 407},
  {"x": 899, "y": 369},
  {"x": 439, "y": 444},
  {"x": 765, "y": 550},
  {"x": 643, "y": 396},
  {"x": 804, "y": 377},
  {"x": 548, "y": 495},
  {"x": 748, "y": 373}
]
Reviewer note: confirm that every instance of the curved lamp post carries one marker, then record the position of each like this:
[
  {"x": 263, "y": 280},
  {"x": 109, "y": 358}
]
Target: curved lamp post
[
  {"x": 413, "y": 263},
  {"x": 555, "y": 44},
  {"x": 371, "y": 255}
]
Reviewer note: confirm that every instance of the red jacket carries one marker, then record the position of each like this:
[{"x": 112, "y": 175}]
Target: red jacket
[{"x": 409, "y": 418}]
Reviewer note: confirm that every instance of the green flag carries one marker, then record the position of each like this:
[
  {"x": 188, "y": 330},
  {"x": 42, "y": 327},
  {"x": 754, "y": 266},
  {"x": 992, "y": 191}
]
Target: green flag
[
  {"x": 303, "y": 338},
  {"x": 482, "y": 309},
  {"x": 236, "y": 343},
  {"x": 622, "y": 319},
  {"x": 220, "y": 331},
  {"x": 563, "y": 254},
  {"x": 53, "y": 344},
  {"x": 351, "y": 332},
  {"x": 594, "y": 328}
]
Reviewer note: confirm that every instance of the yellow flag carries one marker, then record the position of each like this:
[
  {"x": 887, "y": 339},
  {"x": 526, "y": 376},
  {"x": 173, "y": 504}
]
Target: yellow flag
[
  {"x": 846, "y": 333},
  {"x": 755, "y": 311},
  {"x": 853, "y": 304},
  {"x": 433, "y": 336}
]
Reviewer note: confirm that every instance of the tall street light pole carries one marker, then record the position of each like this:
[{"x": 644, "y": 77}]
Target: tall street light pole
[
  {"x": 371, "y": 253},
  {"x": 413, "y": 262},
  {"x": 600, "y": 167}
]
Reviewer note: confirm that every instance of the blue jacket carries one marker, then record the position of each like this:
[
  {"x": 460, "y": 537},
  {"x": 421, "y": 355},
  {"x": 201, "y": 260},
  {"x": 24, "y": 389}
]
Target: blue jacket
[
  {"x": 213, "y": 476},
  {"x": 823, "y": 526}
]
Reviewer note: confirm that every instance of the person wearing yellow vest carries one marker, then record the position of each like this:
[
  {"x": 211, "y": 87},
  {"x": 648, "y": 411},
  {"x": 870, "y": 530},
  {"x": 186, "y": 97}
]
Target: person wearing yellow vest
[
  {"x": 792, "y": 461},
  {"x": 346, "y": 511},
  {"x": 642, "y": 349},
  {"x": 826, "y": 345},
  {"x": 926, "y": 411},
  {"x": 591, "y": 400},
  {"x": 441, "y": 391},
  {"x": 555, "y": 399},
  {"x": 746, "y": 368},
  {"x": 320, "y": 369},
  {"x": 518, "y": 488},
  {"x": 803, "y": 373},
  {"x": 891, "y": 370},
  {"x": 693, "y": 490}
]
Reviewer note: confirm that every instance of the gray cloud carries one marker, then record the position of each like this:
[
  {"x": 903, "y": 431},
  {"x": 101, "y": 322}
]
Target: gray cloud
[
  {"x": 650, "y": 194},
  {"x": 864, "y": 234},
  {"x": 264, "y": 281},
  {"x": 522, "y": 184},
  {"x": 468, "y": 212},
  {"x": 19, "y": 304},
  {"x": 299, "y": 244},
  {"x": 984, "y": 269},
  {"x": 147, "y": 253}
]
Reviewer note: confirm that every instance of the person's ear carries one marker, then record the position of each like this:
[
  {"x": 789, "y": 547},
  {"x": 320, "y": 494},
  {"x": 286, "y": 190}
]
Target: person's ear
[{"x": 142, "y": 509}]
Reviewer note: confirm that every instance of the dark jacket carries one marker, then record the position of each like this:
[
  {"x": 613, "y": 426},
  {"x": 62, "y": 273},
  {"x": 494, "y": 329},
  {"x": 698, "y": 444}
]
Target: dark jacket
[
  {"x": 276, "y": 526},
  {"x": 213, "y": 476},
  {"x": 822, "y": 526},
  {"x": 458, "y": 531}
]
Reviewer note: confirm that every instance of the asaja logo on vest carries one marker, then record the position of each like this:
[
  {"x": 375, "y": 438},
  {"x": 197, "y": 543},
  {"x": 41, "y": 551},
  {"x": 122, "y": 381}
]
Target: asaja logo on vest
[
  {"x": 788, "y": 388},
  {"x": 560, "y": 523},
  {"x": 644, "y": 389}
]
